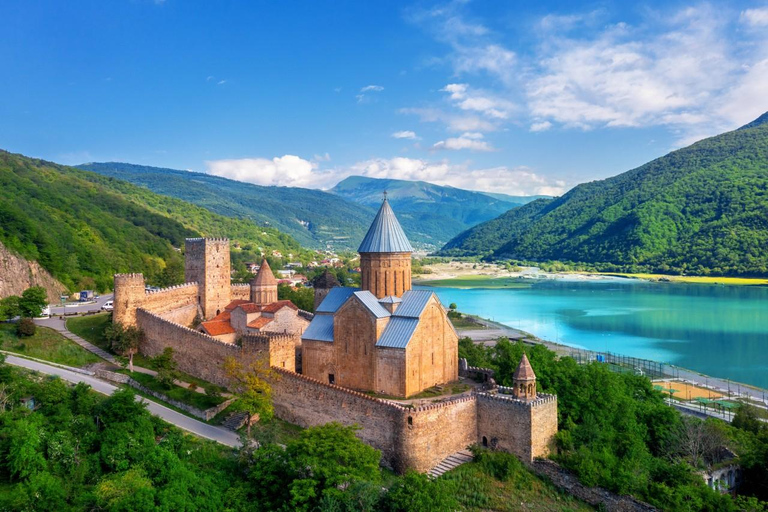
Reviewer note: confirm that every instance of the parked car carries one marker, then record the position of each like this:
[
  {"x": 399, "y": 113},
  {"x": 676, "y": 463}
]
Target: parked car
[
  {"x": 108, "y": 306},
  {"x": 46, "y": 313},
  {"x": 86, "y": 295}
]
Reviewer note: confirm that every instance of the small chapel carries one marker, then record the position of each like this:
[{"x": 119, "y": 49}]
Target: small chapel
[{"x": 383, "y": 337}]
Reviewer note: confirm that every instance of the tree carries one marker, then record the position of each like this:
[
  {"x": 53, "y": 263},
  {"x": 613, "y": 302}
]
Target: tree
[
  {"x": 415, "y": 491},
  {"x": 127, "y": 343},
  {"x": 33, "y": 301},
  {"x": 9, "y": 307},
  {"x": 166, "y": 367},
  {"x": 250, "y": 384},
  {"x": 453, "y": 306}
]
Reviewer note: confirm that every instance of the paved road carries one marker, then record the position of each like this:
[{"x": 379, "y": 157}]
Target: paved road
[
  {"x": 218, "y": 434},
  {"x": 81, "y": 308}
]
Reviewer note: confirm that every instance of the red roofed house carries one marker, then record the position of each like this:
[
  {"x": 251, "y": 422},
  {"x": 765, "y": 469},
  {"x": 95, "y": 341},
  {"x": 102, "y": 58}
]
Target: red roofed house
[{"x": 263, "y": 313}]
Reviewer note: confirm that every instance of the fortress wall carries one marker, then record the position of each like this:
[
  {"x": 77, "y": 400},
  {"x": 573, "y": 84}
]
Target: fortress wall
[
  {"x": 167, "y": 299},
  {"x": 184, "y": 315},
  {"x": 196, "y": 353},
  {"x": 307, "y": 402},
  {"x": 516, "y": 426},
  {"x": 433, "y": 432},
  {"x": 281, "y": 347},
  {"x": 241, "y": 292}
]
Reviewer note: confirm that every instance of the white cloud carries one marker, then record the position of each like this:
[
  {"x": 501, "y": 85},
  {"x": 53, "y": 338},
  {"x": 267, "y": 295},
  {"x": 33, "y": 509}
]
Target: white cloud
[
  {"x": 363, "y": 97},
  {"x": 405, "y": 134},
  {"x": 288, "y": 170},
  {"x": 696, "y": 70},
  {"x": 454, "y": 122},
  {"x": 322, "y": 158},
  {"x": 470, "y": 140},
  {"x": 372, "y": 88},
  {"x": 541, "y": 126},
  {"x": 221, "y": 82},
  {"x": 515, "y": 181},
  {"x": 755, "y": 17}
]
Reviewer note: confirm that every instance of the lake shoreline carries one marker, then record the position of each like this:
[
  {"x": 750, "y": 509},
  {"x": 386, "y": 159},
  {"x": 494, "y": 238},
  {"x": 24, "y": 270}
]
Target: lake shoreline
[{"x": 468, "y": 275}]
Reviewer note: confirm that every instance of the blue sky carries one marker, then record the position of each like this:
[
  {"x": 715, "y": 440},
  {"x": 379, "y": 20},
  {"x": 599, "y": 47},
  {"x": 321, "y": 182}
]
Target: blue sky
[{"x": 516, "y": 97}]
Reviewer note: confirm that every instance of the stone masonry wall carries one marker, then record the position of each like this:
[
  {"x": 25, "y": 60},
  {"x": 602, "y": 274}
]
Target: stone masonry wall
[
  {"x": 307, "y": 402},
  {"x": 433, "y": 432},
  {"x": 196, "y": 353},
  {"x": 172, "y": 298},
  {"x": 183, "y": 316},
  {"x": 504, "y": 423},
  {"x": 241, "y": 292}
]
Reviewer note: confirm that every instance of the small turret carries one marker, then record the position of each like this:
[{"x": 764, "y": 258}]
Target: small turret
[
  {"x": 129, "y": 295},
  {"x": 264, "y": 285},
  {"x": 524, "y": 381}
]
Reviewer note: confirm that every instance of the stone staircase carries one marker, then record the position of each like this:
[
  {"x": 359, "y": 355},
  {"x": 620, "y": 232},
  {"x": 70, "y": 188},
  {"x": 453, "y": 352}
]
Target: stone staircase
[{"x": 452, "y": 461}]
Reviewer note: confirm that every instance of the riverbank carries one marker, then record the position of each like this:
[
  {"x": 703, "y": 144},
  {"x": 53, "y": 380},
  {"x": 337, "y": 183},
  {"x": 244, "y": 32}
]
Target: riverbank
[{"x": 458, "y": 274}]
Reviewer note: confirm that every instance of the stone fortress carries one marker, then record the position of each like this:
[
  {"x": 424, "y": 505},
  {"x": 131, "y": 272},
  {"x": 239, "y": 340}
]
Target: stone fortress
[{"x": 362, "y": 353}]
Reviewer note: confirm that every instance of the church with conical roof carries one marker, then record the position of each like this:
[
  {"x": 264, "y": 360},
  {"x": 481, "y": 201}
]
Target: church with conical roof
[{"x": 383, "y": 337}]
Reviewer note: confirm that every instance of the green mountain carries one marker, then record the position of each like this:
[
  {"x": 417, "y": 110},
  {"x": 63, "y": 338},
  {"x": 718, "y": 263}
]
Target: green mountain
[
  {"x": 313, "y": 217},
  {"x": 439, "y": 211},
  {"x": 701, "y": 209},
  {"x": 83, "y": 227}
]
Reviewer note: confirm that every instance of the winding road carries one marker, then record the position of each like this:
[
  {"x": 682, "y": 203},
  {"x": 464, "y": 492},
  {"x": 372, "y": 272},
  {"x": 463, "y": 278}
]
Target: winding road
[{"x": 214, "y": 433}]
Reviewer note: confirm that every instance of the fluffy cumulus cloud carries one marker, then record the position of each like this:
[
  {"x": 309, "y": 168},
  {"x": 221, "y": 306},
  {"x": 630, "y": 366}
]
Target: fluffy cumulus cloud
[
  {"x": 468, "y": 140},
  {"x": 288, "y": 170},
  {"x": 294, "y": 171},
  {"x": 696, "y": 70},
  {"x": 405, "y": 134}
]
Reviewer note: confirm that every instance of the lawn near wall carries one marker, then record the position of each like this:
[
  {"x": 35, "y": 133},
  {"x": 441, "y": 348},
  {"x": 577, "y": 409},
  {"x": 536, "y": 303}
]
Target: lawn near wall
[
  {"x": 91, "y": 328},
  {"x": 47, "y": 345}
]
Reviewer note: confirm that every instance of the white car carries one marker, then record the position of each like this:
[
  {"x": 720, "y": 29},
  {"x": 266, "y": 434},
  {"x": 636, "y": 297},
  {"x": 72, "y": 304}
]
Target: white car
[
  {"x": 108, "y": 306},
  {"x": 46, "y": 313}
]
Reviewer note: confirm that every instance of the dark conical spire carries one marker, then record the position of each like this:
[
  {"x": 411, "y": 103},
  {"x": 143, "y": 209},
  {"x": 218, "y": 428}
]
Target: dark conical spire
[{"x": 385, "y": 233}]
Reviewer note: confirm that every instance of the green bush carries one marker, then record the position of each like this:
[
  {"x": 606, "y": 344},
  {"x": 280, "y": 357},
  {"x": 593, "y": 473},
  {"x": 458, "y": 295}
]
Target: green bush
[{"x": 26, "y": 327}]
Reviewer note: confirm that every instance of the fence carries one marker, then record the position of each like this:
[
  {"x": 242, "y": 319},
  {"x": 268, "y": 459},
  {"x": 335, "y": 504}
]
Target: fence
[{"x": 622, "y": 363}]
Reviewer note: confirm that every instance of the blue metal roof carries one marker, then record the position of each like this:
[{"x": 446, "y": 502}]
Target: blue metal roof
[
  {"x": 320, "y": 329},
  {"x": 335, "y": 298},
  {"x": 370, "y": 301},
  {"x": 391, "y": 299},
  {"x": 385, "y": 233},
  {"x": 398, "y": 332},
  {"x": 414, "y": 302}
]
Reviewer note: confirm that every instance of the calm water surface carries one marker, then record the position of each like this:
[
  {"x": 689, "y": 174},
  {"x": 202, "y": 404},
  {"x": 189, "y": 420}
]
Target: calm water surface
[{"x": 717, "y": 330}]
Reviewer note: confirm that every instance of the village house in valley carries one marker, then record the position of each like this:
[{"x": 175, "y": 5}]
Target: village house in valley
[{"x": 356, "y": 360}]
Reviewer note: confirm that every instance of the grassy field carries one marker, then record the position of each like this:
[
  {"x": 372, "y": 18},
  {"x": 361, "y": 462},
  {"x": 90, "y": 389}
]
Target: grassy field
[
  {"x": 91, "y": 328},
  {"x": 187, "y": 396},
  {"x": 465, "y": 322},
  {"x": 499, "y": 481},
  {"x": 46, "y": 344}
]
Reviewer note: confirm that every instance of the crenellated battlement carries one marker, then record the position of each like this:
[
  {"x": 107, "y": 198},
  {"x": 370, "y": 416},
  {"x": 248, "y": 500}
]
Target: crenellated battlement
[
  {"x": 206, "y": 239},
  {"x": 170, "y": 288},
  {"x": 508, "y": 398}
]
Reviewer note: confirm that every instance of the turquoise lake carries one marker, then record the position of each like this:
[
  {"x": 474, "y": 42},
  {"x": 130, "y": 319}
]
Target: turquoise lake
[{"x": 717, "y": 330}]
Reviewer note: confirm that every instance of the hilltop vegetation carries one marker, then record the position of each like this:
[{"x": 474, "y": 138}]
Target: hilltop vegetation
[
  {"x": 437, "y": 211},
  {"x": 83, "y": 227},
  {"x": 702, "y": 209}
]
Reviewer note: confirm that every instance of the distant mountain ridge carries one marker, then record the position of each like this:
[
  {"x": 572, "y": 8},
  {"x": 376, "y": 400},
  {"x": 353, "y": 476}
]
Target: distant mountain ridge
[
  {"x": 701, "y": 209},
  {"x": 338, "y": 218},
  {"x": 442, "y": 211}
]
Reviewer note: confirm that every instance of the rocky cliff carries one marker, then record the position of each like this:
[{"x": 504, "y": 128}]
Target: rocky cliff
[{"x": 18, "y": 274}]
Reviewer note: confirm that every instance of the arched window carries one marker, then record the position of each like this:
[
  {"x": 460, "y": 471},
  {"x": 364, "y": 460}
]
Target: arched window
[
  {"x": 485, "y": 441},
  {"x": 410, "y": 420}
]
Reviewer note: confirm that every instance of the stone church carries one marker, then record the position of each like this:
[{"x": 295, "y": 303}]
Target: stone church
[{"x": 383, "y": 337}]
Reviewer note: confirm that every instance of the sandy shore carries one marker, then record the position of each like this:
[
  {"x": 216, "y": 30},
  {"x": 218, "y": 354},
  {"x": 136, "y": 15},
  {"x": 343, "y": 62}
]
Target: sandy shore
[{"x": 463, "y": 270}]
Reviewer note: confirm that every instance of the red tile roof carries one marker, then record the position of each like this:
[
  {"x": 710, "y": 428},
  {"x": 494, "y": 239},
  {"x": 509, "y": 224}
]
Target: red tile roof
[
  {"x": 277, "y": 306},
  {"x": 218, "y": 328},
  {"x": 224, "y": 316},
  {"x": 232, "y": 305},
  {"x": 250, "y": 307},
  {"x": 259, "y": 322}
]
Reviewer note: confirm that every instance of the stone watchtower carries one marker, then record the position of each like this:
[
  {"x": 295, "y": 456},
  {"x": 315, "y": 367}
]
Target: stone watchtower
[
  {"x": 385, "y": 256},
  {"x": 322, "y": 285},
  {"x": 264, "y": 285},
  {"x": 524, "y": 381},
  {"x": 207, "y": 264},
  {"x": 129, "y": 295}
]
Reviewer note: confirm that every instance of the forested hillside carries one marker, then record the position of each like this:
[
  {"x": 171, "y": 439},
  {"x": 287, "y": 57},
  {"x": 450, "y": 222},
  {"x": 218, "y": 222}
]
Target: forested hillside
[
  {"x": 702, "y": 209},
  {"x": 83, "y": 227},
  {"x": 313, "y": 217},
  {"x": 440, "y": 211}
]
